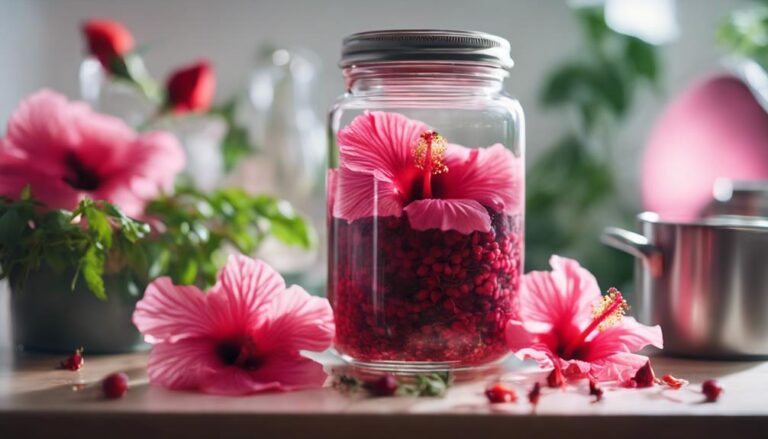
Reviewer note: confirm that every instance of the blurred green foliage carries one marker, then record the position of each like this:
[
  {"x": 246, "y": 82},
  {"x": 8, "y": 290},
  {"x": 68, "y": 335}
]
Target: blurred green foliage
[
  {"x": 190, "y": 236},
  {"x": 744, "y": 32},
  {"x": 572, "y": 192}
]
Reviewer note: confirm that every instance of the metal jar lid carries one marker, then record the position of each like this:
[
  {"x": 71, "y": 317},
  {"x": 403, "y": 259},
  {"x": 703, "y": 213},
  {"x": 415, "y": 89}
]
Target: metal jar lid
[{"x": 425, "y": 45}]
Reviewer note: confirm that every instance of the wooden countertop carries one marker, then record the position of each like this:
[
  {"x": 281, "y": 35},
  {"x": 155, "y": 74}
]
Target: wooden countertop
[{"x": 37, "y": 400}]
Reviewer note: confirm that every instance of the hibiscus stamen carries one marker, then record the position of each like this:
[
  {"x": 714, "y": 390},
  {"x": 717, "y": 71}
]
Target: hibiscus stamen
[
  {"x": 606, "y": 313},
  {"x": 428, "y": 156}
]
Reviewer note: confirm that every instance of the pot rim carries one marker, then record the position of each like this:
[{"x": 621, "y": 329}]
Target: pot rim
[{"x": 720, "y": 222}]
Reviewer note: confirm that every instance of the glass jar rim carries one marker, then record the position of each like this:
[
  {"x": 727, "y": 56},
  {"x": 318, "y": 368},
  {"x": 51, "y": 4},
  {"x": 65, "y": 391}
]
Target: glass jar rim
[{"x": 425, "y": 45}]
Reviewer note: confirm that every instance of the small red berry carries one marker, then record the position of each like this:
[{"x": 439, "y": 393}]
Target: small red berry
[
  {"x": 711, "y": 390},
  {"x": 535, "y": 394},
  {"x": 73, "y": 362},
  {"x": 499, "y": 393},
  {"x": 555, "y": 378},
  {"x": 644, "y": 377},
  {"x": 595, "y": 390},
  {"x": 385, "y": 385},
  {"x": 115, "y": 385}
]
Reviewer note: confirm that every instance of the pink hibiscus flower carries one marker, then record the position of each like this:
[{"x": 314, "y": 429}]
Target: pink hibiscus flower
[
  {"x": 566, "y": 323},
  {"x": 64, "y": 151},
  {"x": 389, "y": 164},
  {"x": 242, "y": 336}
]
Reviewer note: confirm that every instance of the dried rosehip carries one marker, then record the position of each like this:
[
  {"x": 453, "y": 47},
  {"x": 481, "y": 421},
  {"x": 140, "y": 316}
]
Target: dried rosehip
[
  {"x": 385, "y": 385},
  {"x": 535, "y": 394},
  {"x": 644, "y": 377},
  {"x": 595, "y": 390},
  {"x": 672, "y": 381},
  {"x": 499, "y": 393},
  {"x": 711, "y": 390},
  {"x": 74, "y": 362},
  {"x": 115, "y": 385},
  {"x": 555, "y": 378}
]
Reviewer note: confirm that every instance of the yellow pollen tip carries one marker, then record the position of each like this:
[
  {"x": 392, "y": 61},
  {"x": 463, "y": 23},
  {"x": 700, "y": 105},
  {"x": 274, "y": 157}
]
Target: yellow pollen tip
[
  {"x": 433, "y": 145},
  {"x": 610, "y": 309}
]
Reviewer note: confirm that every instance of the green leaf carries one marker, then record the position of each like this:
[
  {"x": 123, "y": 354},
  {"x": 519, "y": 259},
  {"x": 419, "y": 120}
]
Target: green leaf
[
  {"x": 98, "y": 222},
  {"x": 236, "y": 144},
  {"x": 641, "y": 57},
  {"x": 26, "y": 193},
  {"x": 93, "y": 271},
  {"x": 188, "y": 273},
  {"x": 11, "y": 226},
  {"x": 592, "y": 20}
]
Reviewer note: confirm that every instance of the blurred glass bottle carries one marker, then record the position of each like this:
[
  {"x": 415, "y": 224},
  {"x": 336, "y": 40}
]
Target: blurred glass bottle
[
  {"x": 133, "y": 102},
  {"x": 290, "y": 148}
]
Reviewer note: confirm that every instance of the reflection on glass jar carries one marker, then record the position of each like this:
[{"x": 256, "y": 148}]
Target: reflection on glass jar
[{"x": 425, "y": 201}]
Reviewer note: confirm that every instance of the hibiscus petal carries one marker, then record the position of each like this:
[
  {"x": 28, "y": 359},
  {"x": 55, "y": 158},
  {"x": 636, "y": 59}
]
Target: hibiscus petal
[
  {"x": 169, "y": 312},
  {"x": 359, "y": 195},
  {"x": 296, "y": 321},
  {"x": 617, "y": 367},
  {"x": 493, "y": 176},
  {"x": 44, "y": 124},
  {"x": 235, "y": 381},
  {"x": 181, "y": 365},
  {"x": 243, "y": 292},
  {"x": 629, "y": 336},
  {"x": 464, "y": 216},
  {"x": 379, "y": 142},
  {"x": 526, "y": 344},
  {"x": 292, "y": 372},
  {"x": 563, "y": 297},
  {"x": 16, "y": 173}
]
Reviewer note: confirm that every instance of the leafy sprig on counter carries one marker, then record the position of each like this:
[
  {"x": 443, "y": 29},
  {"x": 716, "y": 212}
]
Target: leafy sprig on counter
[{"x": 427, "y": 385}]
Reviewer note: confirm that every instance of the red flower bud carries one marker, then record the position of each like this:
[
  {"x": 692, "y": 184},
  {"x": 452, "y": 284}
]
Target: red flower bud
[
  {"x": 191, "y": 88},
  {"x": 107, "y": 41}
]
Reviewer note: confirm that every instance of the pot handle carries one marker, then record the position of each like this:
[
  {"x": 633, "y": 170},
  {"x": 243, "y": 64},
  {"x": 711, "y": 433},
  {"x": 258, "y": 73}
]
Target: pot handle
[{"x": 634, "y": 244}]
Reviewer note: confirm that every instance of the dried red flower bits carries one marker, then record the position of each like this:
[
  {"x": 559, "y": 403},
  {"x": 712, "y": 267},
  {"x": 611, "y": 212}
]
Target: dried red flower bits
[
  {"x": 595, "y": 390},
  {"x": 711, "y": 390},
  {"x": 499, "y": 393},
  {"x": 555, "y": 379},
  {"x": 115, "y": 385},
  {"x": 644, "y": 377},
  {"x": 74, "y": 362},
  {"x": 672, "y": 382},
  {"x": 535, "y": 394}
]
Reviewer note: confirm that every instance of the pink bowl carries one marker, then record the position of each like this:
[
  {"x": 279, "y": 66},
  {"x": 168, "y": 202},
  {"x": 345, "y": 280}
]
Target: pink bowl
[{"x": 713, "y": 129}]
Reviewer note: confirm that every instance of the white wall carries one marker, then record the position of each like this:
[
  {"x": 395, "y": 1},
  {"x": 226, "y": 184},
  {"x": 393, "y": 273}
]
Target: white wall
[{"x": 40, "y": 43}]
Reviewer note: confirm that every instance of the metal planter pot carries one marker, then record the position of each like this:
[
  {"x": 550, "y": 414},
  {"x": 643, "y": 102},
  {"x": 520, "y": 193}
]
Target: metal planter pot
[
  {"x": 49, "y": 317},
  {"x": 705, "y": 283}
]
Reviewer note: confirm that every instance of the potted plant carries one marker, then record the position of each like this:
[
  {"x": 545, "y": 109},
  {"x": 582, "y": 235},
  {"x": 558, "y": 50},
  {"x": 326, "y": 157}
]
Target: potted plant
[{"x": 89, "y": 216}]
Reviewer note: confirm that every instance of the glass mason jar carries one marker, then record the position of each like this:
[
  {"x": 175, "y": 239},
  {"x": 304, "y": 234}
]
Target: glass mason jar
[{"x": 425, "y": 201}]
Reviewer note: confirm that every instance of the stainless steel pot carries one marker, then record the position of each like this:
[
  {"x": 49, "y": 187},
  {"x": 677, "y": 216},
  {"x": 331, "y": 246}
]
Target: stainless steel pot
[{"x": 704, "y": 282}]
